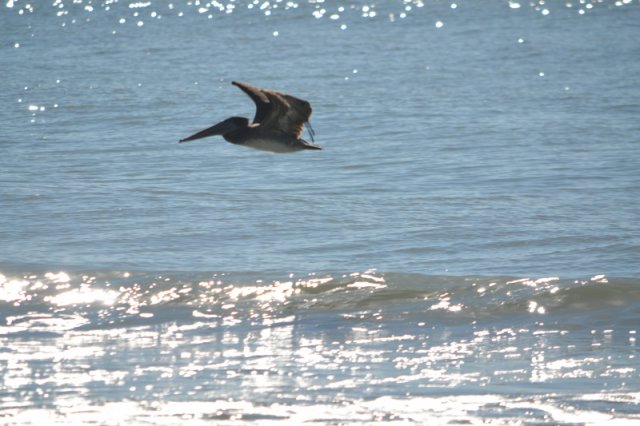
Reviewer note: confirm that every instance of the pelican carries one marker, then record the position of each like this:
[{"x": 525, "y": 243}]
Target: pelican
[{"x": 276, "y": 127}]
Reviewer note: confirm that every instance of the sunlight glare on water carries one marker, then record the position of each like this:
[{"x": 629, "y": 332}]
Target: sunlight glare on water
[
  {"x": 362, "y": 346},
  {"x": 85, "y": 296}
]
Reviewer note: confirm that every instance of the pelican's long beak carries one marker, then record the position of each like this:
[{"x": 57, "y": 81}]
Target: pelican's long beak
[{"x": 218, "y": 129}]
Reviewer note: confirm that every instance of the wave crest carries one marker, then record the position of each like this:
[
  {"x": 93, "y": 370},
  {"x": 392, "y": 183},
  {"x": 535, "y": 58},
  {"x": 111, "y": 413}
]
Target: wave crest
[{"x": 57, "y": 302}]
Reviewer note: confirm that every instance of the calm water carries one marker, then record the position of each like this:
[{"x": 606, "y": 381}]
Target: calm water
[{"x": 465, "y": 249}]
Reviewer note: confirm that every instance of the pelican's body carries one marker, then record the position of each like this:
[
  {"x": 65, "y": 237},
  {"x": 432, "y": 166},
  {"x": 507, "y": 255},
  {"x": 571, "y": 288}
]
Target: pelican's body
[{"x": 276, "y": 127}]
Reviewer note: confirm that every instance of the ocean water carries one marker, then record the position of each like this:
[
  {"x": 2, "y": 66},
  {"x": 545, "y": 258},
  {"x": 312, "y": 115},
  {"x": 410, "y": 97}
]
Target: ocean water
[{"x": 464, "y": 250}]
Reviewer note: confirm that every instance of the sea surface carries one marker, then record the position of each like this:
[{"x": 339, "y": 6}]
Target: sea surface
[{"x": 464, "y": 250}]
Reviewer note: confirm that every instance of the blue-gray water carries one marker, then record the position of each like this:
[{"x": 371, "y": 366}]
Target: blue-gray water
[{"x": 465, "y": 248}]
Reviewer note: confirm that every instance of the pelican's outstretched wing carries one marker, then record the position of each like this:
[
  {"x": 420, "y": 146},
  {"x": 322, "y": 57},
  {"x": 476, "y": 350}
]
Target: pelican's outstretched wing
[{"x": 277, "y": 111}]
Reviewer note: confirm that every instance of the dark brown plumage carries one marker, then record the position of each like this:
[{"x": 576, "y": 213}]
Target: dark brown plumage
[{"x": 276, "y": 127}]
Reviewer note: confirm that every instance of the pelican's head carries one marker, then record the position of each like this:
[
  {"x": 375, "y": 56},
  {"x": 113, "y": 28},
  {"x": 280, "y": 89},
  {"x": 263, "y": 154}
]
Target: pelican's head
[{"x": 223, "y": 128}]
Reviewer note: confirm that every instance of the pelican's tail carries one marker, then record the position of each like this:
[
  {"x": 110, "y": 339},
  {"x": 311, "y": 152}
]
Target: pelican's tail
[{"x": 309, "y": 145}]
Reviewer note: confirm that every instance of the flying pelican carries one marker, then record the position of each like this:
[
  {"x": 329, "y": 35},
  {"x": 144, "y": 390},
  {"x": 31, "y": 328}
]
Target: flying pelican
[{"x": 276, "y": 127}]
